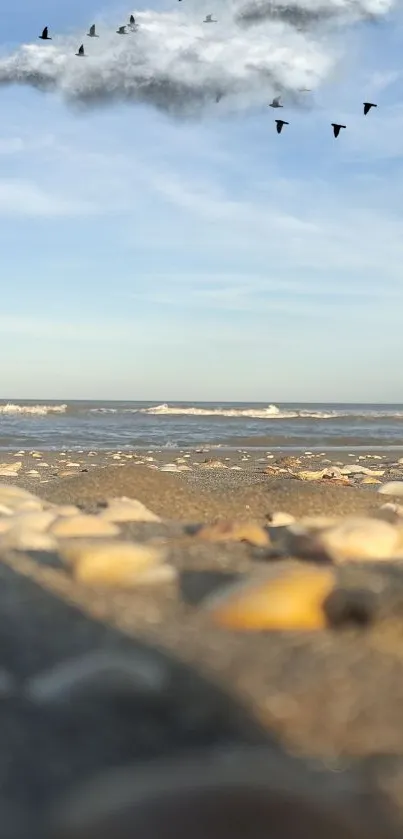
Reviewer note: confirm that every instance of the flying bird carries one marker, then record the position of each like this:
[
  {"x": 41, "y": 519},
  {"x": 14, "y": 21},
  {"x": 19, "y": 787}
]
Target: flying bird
[
  {"x": 279, "y": 124},
  {"x": 45, "y": 36},
  {"x": 276, "y": 103},
  {"x": 121, "y": 30},
  {"x": 132, "y": 23},
  {"x": 81, "y": 51},
  {"x": 336, "y": 128},
  {"x": 92, "y": 33},
  {"x": 368, "y": 106},
  {"x": 209, "y": 19}
]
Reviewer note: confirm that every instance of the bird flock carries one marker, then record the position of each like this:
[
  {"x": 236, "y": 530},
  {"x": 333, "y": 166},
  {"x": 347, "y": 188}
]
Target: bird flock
[
  {"x": 335, "y": 125},
  {"x": 276, "y": 103}
]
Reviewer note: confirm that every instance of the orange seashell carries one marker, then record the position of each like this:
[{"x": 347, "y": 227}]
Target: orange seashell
[{"x": 291, "y": 601}]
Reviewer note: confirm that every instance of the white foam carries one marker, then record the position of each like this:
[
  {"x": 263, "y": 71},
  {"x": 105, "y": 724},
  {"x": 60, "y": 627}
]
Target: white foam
[
  {"x": 271, "y": 412},
  {"x": 253, "y": 413},
  {"x": 35, "y": 410}
]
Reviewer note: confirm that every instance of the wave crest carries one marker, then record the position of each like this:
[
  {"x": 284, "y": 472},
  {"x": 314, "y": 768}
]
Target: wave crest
[
  {"x": 35, "y": 410},
  {"x": 254, "y": 413}
]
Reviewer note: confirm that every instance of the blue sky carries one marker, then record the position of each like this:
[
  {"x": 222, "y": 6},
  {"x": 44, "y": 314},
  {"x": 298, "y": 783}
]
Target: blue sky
[{"x": 147, "y": 257}]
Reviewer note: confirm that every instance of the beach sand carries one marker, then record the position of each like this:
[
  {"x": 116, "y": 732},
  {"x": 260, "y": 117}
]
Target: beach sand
[
  {"x": 201, "y": 493},
  {"x": 330, "y": 694}
]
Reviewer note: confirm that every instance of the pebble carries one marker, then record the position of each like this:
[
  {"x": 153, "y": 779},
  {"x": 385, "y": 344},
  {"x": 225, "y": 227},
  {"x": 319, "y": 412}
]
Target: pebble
[
  {"x": 169, "y": 467},
  {"x": 392, "y": 488},
  {"x": 120, "y": 564},
  {"x": 293, "y": 600},
  {"x": 82, "y": 525},
  {"x": 127, "y": 509},
  {"x": 233, "y": 531},
  {"x": 351, "y": 607}
]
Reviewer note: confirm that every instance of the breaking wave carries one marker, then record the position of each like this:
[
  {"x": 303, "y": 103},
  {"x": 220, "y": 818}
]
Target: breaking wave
[
  {"x": 35, "y": 410},
  {"x": 271, "y": 412}
]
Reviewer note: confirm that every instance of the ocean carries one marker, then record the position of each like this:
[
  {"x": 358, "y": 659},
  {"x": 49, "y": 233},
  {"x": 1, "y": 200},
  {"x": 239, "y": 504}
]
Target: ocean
[{"x": 80, "y": 425}]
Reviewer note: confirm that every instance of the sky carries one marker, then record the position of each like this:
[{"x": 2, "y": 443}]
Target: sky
[{"x": 157, "y": 244}]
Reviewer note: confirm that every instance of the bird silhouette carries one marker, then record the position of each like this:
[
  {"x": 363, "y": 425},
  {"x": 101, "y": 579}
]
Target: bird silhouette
[
  {"x": 368, "y": 106},
  {"x": 209, "y": 19},
  {"x": 132, "y": 23},
  {"x": 218, "y": 97},
  {"x": 81, "y": 51},
  {"x": 336, "y": 128},
  {"x": 121, "y": 30},
  {"x": 45, "y": 36},
  {"x": 92, "y": 33},
  {"x": 279, "y": 125},
  {"x": 276, "y": 103}
]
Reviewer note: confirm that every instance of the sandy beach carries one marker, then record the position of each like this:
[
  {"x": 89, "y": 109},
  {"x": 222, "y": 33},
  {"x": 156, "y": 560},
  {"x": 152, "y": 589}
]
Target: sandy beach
[{"x": 333, "y": 694}]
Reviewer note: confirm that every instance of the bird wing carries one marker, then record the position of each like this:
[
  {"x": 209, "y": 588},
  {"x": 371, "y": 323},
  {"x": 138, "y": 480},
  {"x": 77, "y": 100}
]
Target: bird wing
[
  {"x": 45, "y": 32},
  {"x": 81, "y": 49},
  {"x": 92, "y": 29}
]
